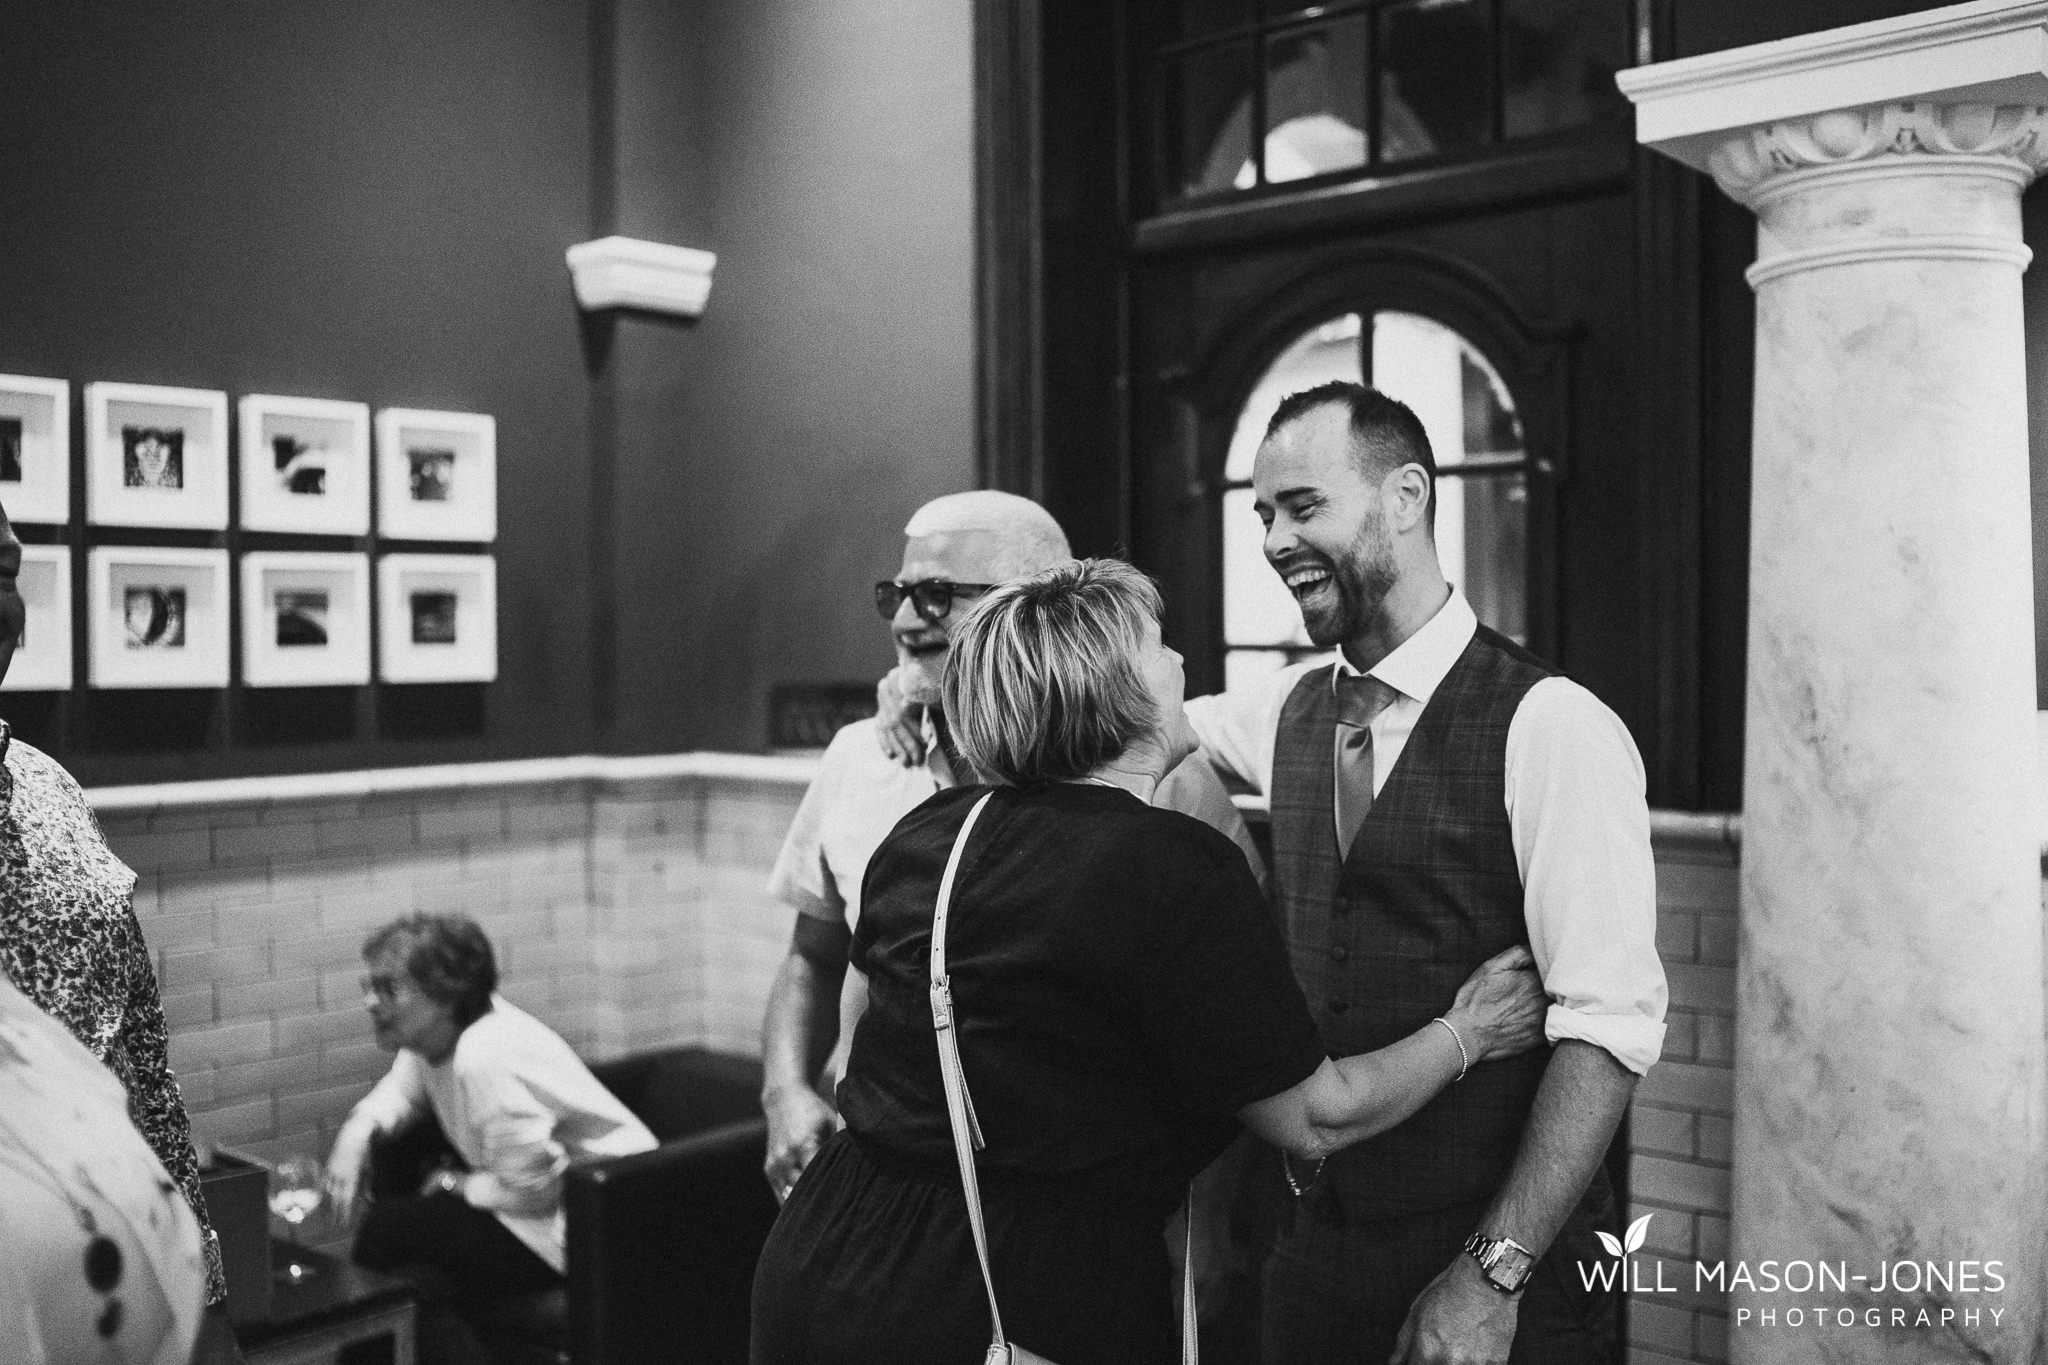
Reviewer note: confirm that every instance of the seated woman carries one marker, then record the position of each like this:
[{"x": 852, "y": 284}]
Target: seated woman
[
  {"x": 514, "y": 1101},
  {"x": 1123, "y": 1001}
]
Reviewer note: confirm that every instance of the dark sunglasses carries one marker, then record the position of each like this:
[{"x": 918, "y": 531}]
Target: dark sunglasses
[{"x": 931, "y": 598}]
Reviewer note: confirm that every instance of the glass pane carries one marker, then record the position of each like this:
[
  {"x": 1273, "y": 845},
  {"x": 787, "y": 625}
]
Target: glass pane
[
  {"x": 1257, "y": 608},
  {"x": 1435, "y": 60},
  {"x": 1324, "y": 352},
  {"x": 1482, "y": 540},
  {"x": 1315, "y": 101},
  {"x": 1491, "y": 427},
  {"x": 1193, "y": 18},
  {"x": 1463, "y": 404},
  {"x": 1207, "y": 113},
  {"x": 1558, "y": 59}
]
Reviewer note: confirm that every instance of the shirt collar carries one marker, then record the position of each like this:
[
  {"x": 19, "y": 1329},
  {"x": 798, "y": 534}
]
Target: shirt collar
[{"x": 1416, "y": 667}]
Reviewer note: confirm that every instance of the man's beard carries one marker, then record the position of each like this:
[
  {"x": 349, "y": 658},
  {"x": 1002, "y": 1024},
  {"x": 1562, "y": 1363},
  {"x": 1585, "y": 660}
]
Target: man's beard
[{"x": 1362, "y": 579}]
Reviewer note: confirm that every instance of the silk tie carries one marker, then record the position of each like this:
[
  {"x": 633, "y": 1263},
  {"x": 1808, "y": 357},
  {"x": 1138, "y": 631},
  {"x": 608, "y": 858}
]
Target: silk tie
[{"x": 1360, "y": 697}]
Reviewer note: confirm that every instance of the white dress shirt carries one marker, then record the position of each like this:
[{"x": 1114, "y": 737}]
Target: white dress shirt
[
  {"x": 1576, "y": 812},
  {"x": 517, "y": 1103}
]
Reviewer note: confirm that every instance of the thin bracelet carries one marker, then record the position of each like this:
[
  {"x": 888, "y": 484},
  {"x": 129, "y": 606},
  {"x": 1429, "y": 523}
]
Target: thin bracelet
[{"x": 1464, "y": 1057}]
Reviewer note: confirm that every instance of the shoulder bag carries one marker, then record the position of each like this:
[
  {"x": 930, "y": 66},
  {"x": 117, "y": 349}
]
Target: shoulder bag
[{"x": 967, "y": 1134}]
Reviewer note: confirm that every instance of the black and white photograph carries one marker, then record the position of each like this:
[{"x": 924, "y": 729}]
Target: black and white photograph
[
  {"x": 432, "y": 472},
  {"x": 156, "y": 617},
  {"x": 153, "y": 457},
  {"x": 10, "y": 450},
  {"x": 301, "y": 619},
  {"x": 156, "y": 457},
  {"x": 35, "y": 449},
  {"x": 1091, "y": 681},
  {"x": 305, "y": 465},
  {"x": 437, "y": 475},
  {"x": 42, "y": 648},
  {"x": 433, "y": 618},
  {"x": 305, "y": 618},
  {"x": 301, "y": 466}
]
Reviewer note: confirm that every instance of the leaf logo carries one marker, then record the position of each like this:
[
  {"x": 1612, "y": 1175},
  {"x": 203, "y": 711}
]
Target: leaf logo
[{"x": 1638, "y": 1232}]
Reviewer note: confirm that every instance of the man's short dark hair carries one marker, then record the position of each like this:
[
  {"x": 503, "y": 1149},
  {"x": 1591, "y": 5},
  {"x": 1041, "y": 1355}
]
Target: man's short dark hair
[
  {"x": 1385, "y": 432},
  {"x": 448, "y": 958}
]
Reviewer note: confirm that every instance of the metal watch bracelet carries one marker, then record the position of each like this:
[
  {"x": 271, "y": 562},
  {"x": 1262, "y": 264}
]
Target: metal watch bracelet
[{"x": 1492, "y": 1252}]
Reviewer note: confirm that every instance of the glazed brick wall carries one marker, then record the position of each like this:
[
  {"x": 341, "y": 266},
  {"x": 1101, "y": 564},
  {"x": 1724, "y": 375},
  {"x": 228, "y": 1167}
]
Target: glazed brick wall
[
  {"x": 1680, "y": 1125},
  {"x": 626, "y": 914}
]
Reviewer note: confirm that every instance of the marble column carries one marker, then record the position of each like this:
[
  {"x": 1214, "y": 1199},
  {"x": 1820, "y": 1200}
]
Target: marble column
[{"x": 1889, "y": 1061}]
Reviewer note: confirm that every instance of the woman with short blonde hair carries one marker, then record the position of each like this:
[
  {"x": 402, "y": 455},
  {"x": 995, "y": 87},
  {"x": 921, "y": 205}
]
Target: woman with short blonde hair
[{"x": 1121, "y": 1001}]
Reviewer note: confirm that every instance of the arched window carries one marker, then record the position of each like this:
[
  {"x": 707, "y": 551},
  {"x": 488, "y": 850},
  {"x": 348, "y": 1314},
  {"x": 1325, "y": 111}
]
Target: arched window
[{"x": 1482, "y": 522}]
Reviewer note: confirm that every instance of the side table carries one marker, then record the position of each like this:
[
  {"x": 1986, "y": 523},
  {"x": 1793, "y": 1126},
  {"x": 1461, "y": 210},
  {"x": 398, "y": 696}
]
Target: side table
[{"x": 340, "y": 1315}]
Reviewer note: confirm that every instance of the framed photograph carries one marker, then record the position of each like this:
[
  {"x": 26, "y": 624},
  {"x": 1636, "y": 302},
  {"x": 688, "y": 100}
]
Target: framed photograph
[
  {"x": 437, "y": 618},
  {"x": 437, "y": 475},
  {"x": 42, "y": 657},
  {"x": 156, "y": 457},
  {"x": 305, "y": 619},
  {"x": 305, "y": 465},
  {"x": 35, "y": 449},
  {"x": 158, "y": 617}
]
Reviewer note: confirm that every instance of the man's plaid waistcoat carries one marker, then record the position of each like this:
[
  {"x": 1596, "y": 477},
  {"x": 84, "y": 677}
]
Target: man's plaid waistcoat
[{"x": 1382, "y": 941}]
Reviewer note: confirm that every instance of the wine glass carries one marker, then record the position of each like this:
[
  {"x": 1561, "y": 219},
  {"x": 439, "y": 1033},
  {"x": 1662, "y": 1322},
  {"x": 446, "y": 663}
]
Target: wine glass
[{"x": 295, "y": 1191}]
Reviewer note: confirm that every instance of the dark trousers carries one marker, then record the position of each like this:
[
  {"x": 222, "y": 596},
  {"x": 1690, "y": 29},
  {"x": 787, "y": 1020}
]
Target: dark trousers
[
  {"x": 1337, "y": 1295},
  {"x": 459, "y": 1260}
]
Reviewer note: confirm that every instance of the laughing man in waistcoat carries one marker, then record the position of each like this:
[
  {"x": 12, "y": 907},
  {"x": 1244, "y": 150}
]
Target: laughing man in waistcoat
[{"x": 1439, "y": 794}]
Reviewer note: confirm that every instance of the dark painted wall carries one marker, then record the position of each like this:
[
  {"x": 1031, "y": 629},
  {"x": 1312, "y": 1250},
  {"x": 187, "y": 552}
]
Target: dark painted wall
[
  {"x": 770, "y": 455},
  {"x": 369, "y": 199}
]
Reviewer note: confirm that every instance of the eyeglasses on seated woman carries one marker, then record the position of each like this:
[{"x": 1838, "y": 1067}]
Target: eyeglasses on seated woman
[{"x": 1121, "y": 1001}]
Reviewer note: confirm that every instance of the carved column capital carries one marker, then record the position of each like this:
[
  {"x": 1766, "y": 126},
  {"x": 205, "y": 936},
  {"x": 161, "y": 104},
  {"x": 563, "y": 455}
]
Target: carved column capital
[{"x": 2009, "y": 139}]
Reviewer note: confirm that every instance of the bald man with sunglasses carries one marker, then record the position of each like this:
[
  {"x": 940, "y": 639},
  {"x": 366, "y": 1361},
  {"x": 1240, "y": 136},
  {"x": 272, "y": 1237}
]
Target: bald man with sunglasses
[{"x": 957, "y": 548}]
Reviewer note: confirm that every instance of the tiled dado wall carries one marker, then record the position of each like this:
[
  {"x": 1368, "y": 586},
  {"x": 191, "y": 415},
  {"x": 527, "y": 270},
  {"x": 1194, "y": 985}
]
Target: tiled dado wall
[
  {"x": 1679, "y": 1128},
  {"x": 626, "y": 900}
]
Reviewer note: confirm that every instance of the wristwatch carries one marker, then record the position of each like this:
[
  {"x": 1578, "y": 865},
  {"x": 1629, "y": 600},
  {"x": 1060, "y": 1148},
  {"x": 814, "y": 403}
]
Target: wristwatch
[{"x": 1504, "y": 1262}]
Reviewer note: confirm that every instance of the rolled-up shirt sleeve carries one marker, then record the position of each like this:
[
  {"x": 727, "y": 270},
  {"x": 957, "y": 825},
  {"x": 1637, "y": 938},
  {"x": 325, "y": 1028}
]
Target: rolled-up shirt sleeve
[
  {"x": 1581, "y": 828},
  {"x": 522, "y": 1162}
]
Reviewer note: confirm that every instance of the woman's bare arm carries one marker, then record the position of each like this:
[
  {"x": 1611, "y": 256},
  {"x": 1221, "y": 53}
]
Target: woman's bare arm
[{"x": 1499, "y": 1011}]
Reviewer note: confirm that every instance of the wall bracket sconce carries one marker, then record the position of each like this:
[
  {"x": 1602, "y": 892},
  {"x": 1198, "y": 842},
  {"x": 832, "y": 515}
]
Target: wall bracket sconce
[{"x": 625, "y": 272}]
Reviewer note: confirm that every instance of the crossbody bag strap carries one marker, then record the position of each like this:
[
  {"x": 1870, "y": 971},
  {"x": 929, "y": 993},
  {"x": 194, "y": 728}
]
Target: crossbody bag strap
[
  {"x": 967, "y": 1129},
  {"x": 959, "y": 1108}
]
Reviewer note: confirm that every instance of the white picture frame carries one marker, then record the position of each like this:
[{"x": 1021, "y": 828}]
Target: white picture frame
[
  {"x": 156, "y": 456},
  {"x": 35, "y": 449},
  {"x": 305, "y": 619},
  {"x": 157, "y": 617},
  {"x": 42, "y": 657},
  {"x": 305, "y": 465},
  {"x": 437, "y": 475},
  {"x": 451, "y": 638}
]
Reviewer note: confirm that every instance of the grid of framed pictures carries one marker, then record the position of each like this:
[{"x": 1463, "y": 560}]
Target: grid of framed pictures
[{"x": 171, "y": 616}]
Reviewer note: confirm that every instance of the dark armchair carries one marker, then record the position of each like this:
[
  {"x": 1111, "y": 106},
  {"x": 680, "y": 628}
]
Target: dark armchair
[{"x": 662, "y": 1244}]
